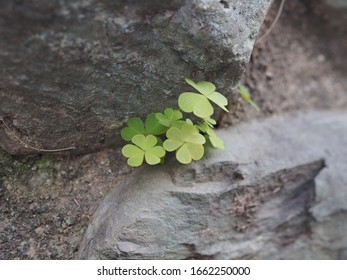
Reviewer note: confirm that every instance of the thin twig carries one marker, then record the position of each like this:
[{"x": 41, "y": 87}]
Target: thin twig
[
  {"x": 75, "y": 200},
  {"x": 26, "y": 145},
  {"x": 279, "y": 12}
]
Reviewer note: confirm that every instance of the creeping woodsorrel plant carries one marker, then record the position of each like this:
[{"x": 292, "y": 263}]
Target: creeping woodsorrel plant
[{"x": 168, "y": 131}]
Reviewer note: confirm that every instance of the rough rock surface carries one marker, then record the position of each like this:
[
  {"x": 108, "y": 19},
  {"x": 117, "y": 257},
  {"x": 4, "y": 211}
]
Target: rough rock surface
[
  {"x": 74, "y": 71},
  {"x": 259, "y": 198},
  {"x": 337, "y": 3}
]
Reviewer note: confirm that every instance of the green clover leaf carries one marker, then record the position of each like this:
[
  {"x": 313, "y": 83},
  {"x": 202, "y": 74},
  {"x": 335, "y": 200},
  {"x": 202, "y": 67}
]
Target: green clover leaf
[
  {"x": 186, "y": 141},
  {"x": 153, "y": 126},
  {"x": 144, "y": 148},
  {"x": 246, "y": 96},
  {"x": 136, "y": 126},
  {"x": 196, "y": 103},
  {"x": 189, "y": 121},
  {"x": 170, "y": 118},
  {"x": 208, "y": 90}
]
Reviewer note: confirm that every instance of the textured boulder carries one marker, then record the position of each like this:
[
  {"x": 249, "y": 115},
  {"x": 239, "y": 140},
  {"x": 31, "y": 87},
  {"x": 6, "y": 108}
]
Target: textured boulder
[
  {"x": 260, "y": 198},
  {"x": 74, "y": 71}
]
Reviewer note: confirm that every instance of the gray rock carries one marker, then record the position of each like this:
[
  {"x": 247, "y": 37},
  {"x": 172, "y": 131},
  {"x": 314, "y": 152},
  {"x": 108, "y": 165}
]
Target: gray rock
[
  {"x": 74, "y": 71},
  {"x": 339, "y": 4},
  {"x": 260, "y": 198}
]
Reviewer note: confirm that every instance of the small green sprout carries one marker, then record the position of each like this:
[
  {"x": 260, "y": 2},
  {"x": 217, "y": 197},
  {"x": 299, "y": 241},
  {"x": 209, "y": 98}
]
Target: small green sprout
[
  {"x": 144, "y": 148},
  {"x": 246, "y": 96},
  {"x": 210, "y": 122}
]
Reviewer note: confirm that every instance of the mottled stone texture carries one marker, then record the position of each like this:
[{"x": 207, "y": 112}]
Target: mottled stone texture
[
  {"x": 72, "y": 72},
  {"x": 340, "y": 4},
  {"x": 260, "y": 198}
]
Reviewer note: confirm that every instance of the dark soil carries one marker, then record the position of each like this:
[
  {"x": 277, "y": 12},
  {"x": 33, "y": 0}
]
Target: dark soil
[{"x": 46, "y": 202}]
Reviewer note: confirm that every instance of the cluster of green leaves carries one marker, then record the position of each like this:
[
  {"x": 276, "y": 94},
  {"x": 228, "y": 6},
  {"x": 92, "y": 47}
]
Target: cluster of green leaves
[{"x": 168, "y": 131}]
